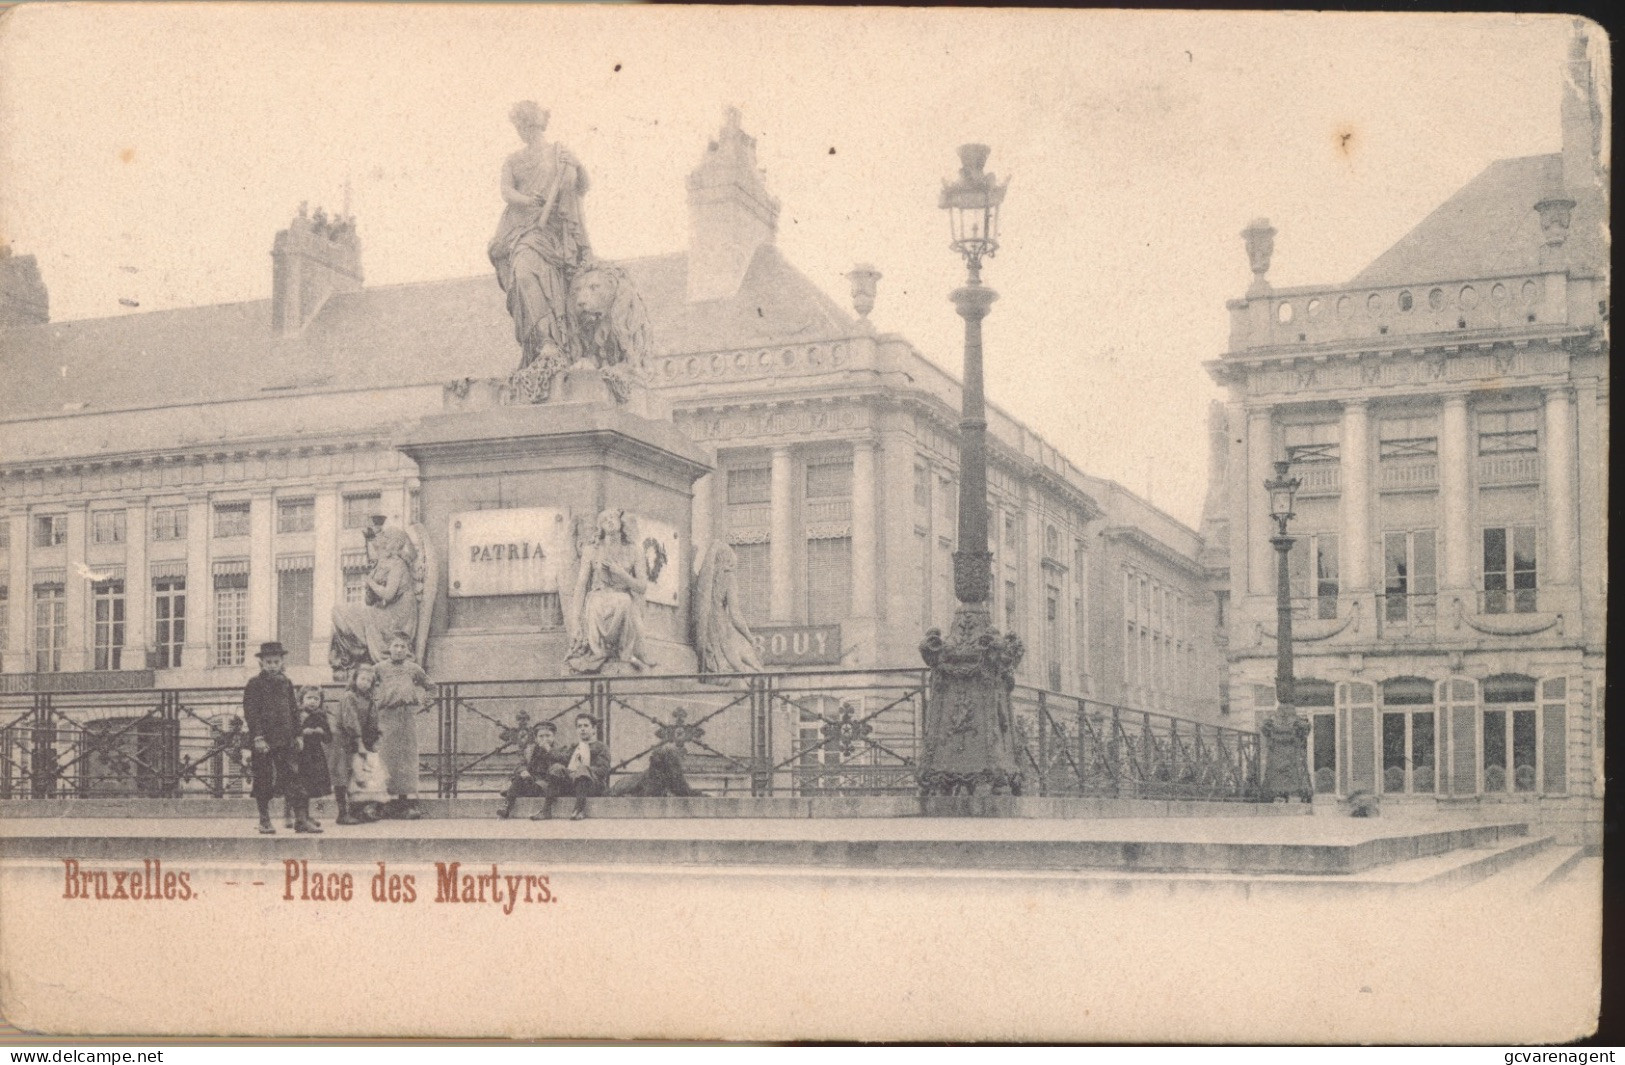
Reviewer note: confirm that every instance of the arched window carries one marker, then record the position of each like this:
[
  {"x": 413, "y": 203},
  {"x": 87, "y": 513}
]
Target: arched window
[
  {"x": 1409, "y": 736},
  {"x": 1317, "y": 699}
]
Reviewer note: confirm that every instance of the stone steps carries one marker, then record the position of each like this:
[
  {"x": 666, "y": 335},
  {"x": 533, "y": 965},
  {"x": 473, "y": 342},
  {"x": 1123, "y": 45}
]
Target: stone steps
[{"x": 1238, "y": 847}]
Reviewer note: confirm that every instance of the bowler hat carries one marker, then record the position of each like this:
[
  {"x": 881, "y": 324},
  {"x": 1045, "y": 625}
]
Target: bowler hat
[{"x": 270, "y": 647}]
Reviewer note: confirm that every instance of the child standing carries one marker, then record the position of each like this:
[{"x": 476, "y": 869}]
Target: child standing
[
  {"x": 402, "y": 688},
  {"x": 311, "y": 744},
  {"x": 355, "y": 732},
  {"x": 272, "y": 720}
]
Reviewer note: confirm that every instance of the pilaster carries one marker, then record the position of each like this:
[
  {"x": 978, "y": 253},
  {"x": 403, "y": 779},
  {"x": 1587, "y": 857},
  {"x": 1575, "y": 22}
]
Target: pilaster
[
  {"x": 327, "y": 580},
  {"x": 782, "y": 552},
  {"x": 1356, "y": 496},
  {"x": 1455, "y": 495},
  {"x": 261, "y": 570},
  {"x": 75, "y": 655},
  {"x": 1558, "y": 483},
  {"x": 863, "y": 528},
  {"x": 137, "y": 586}
]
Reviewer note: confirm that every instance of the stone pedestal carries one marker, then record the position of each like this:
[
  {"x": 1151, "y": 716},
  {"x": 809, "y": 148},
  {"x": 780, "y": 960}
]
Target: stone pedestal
[{"x": 556, "y": 466}]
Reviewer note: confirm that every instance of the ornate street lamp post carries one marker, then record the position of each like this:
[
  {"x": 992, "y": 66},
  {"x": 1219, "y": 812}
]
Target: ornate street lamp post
[
  {"x": 1286, "y": 763},
  {"x": 969, "y": 731}
]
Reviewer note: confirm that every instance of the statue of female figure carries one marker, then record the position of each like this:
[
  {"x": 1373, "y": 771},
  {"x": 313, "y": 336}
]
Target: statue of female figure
[
  {"x": 361, "y": 630},
  {"x": 606, "y": 612},
  {"x": 541, "y": 240},
  {"x": 722, "y": 640}
]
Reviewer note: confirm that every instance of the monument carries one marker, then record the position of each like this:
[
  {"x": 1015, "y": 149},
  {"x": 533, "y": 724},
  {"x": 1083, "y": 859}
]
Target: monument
[{"x": 558, "y": 497}]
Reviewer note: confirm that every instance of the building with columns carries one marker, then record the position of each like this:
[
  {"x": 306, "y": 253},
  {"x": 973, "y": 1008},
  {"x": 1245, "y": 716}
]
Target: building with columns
[
  {"x": 177, "y": 486},
  {"x": 1446, "y": 412}
]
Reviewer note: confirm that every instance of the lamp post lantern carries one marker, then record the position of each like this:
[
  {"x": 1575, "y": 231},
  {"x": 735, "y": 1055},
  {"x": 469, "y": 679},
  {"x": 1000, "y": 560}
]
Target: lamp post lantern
[
  {"x": 1286, "y": 763},
  {"x": 969, "y": 731}
]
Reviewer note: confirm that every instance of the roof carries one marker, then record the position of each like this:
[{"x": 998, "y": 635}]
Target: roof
[
  {"x": 421, "y": 333},
  {"x": 1490, "y": 228}
]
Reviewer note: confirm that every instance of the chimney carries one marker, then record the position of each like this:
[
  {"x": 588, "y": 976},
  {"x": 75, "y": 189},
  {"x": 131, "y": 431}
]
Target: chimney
[
  {"x": 1582, "y": 118},
  {"x": 23, "y": 300},
  {"x": 314, "y": 258},
  {"x": 730, "y": 213}
]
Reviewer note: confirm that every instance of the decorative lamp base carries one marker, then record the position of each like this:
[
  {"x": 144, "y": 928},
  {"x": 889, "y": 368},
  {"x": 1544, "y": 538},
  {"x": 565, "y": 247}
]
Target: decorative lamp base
[
  {"x": 970, "y": 740},
  {"x": 1286, "y": 757}
]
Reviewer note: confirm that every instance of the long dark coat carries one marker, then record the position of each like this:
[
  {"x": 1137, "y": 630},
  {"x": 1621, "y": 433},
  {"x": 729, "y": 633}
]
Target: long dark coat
[
  {"x": 270, "y": 713},
  {"x": 316, "y": 734}
]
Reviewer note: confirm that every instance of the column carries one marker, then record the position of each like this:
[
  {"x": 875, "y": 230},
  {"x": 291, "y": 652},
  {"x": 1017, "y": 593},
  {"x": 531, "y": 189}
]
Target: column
[
  {"x": 21, "y": 592},
  {"x": 1558, "y": 479},
  {"x": 326, "y": 580},
  {"x": 75, "y": 656},
  {"x": 1455, "y": 503},
  {"x": 1260, "y": 468},
  {"x": 1356, "y": 494},
  {"x": 864, "y": 544},
  {"x": 1236, "y": 500},
  {"x": 900, "y": 599},
  {"x": 782, "y": 553},
  {"x": 137, "y": 586},
  {"x": 1592, "y": 560},
  {"x": 198, "y": 652},
  {"x": 261, "y": 571},
  {"x": 700, "y": 517}
]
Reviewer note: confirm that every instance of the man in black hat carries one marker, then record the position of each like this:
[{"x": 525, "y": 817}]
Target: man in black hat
[{"x": 271, "y": 714}]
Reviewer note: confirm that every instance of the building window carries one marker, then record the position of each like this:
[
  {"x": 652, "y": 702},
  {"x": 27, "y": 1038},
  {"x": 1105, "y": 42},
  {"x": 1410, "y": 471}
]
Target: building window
[
  {"x": 50, "y": 530},
  {"x": 1312, "y": 566},
  {"x": 5, "y": 622},
  {"x": 1508, "y": 432},
  {"x": 1052, "y": 543},
  {"x": 1309, "y": 444},
  {"x": 169, "y": 523},
  {"x": 169, "y": 620},
  {"x": 295, "y": 515},
  {"x": 5, "y": 534},
  {"x": 922, "y": 488},
  {"x": 922, "y": 574},
  {"x": 1409, "y": 576},
  {"x": 1509, "y": 570},
  {"x": 295, "y": 608},
  {"x": 947, "y": 496},
  {"x": 107, "y": 527},
  {"x": 230, "y": 519},
  {"x": 750, "y": 485},
  {"x": 1510, "y": 736},
  {"x": 754, "y": 581},
  {"x": 1409, "y": 438},
  {"x": 1080, "y": 610},
  {"x": 50, "y": 627},
  {"x": 1012, "y": 531},
  {"x": 829, "y": 580},
  {"x": 829, "y": 480},
  {"x": 1410, "y": 738},
  {"x": 1011, "y": 606},
  {"x": 107, "y": 600},
  {"x": 1052, "y": 635},
  {"x": 360, "y": 507},
  {"x": 230, "y": 618}
]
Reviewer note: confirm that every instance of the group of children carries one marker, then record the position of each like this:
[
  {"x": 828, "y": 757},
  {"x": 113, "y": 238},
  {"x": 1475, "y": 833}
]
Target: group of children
[
  {"x": 300, "y": 754},
  {"x": 580, "y": 769}
]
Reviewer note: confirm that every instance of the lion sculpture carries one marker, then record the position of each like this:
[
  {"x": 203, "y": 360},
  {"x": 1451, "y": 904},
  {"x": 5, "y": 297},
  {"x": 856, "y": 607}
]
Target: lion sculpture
[{"x": 609, "y": 330}]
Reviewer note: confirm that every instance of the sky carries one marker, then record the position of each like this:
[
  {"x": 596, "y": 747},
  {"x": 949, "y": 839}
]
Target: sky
[{"x": 149, "y": 154}]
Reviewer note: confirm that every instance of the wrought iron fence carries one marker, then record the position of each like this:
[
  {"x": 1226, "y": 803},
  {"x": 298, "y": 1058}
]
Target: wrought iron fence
[
  {"x": 833, "y": 732},
  {"x": 1073, "y": 746}
]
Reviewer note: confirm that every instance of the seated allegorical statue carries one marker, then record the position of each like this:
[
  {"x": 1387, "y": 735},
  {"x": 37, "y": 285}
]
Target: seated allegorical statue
[
  {"x": 395, "y": 600},
  {"x": 722, "y": 640},
  {"x": 605, "y": 613}
]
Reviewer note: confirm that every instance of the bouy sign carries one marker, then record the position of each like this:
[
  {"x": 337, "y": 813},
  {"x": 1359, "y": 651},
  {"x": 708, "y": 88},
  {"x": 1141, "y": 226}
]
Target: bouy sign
[
  {"x": 798, "y": 645},
  {"x": 508, "y": 552}
]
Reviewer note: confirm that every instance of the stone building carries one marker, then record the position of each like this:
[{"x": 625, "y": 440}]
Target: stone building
[
  {"x": 1446, "y": 411},
  {"x": 178, "y": 485}
]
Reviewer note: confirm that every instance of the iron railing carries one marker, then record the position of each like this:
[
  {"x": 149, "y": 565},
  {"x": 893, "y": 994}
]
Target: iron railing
[
  {"x": 831, "y": 732},
  {"x": 1074, "y": 746}
]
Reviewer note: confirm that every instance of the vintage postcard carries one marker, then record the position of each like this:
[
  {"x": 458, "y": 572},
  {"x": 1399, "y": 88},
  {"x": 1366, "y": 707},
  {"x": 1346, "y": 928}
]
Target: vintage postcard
[{"x": 802, "y": 524}]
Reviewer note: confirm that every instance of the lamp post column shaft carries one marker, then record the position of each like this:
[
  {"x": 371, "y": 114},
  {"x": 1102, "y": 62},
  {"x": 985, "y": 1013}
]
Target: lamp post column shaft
[
  {"x": 1284, "y": 694},
  {"x": 973, "y": 571}
]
